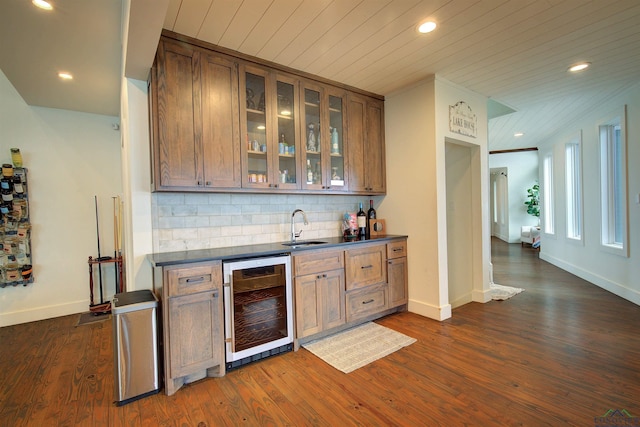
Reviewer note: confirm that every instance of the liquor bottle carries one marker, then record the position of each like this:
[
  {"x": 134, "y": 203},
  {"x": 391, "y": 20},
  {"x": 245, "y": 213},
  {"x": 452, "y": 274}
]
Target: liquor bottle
[
  {"x": 309, "y": 172},
  {"x": 362, "y": 223},
  {"x": 371, "y": 214}
]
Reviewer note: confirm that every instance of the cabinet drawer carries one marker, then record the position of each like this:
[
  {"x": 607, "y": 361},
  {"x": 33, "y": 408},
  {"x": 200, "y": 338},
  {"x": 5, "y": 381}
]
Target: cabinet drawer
[
  {"x": 368, "y": 301},
  {"x": 317, "y": 262},
  {"x": 193, "y": 278},
  {"x": 396, "y": 249},
  {"x": 366, "y": 266}
]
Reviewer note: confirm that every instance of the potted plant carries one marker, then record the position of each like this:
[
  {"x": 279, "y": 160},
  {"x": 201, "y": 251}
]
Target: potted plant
[{"x": 533, "y": 202}]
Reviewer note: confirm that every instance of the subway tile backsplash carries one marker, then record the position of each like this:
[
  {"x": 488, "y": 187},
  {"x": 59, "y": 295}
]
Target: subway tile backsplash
[{"x": 185, "y": 221}]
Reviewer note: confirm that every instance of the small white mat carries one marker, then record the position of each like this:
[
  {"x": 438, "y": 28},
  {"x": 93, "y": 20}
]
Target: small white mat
[
  {"x": 359, "y": 346},
  {"x": 499, "y": 292}
]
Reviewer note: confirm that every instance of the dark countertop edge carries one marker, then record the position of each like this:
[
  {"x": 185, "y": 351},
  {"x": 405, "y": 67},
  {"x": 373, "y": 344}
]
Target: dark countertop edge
[{"x": 162, "y": 259}]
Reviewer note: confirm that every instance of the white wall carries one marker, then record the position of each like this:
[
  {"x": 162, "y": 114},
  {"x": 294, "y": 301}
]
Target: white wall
[
  {"x": 417, "y": 124},
  {"x": 522, "y": 174},
  {"x": 71, "y": 157},
  {"x": 588, "y": 260}
]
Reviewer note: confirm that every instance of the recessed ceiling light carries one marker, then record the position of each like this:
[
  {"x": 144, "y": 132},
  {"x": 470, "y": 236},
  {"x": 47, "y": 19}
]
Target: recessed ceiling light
[
  {"x": 579, "y": 67},
  {"x": 426, "y": 27},
  {"x": 42, "y": 4},
  {"x": 65, "y": 76},
  {"x": 517, "y": 134}
]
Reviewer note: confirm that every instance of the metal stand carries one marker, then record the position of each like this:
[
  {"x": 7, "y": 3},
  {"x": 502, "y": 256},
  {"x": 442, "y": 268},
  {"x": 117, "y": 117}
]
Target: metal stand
[{"x": 104, "y": 307}]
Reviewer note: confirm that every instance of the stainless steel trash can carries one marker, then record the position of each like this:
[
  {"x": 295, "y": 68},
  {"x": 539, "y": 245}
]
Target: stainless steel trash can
[{"x": 135, "y": 345}]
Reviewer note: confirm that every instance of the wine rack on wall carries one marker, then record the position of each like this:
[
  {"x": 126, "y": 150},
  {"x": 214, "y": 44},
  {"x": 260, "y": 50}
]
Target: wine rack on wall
[{"x": 16, "y": 267}]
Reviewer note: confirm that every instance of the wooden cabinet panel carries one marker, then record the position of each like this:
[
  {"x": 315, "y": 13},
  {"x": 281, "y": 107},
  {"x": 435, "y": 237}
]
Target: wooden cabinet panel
[
  {"x": 375, "y": 152},
  {"x": 308, "y": 306},
  {"x": 397, "y": 249},
  {"x": 365, "y": 145},
  {"x": 320, "y": 302},
  {"x": 366, "y": 301},
  {"x": 178, "y": 149},
  {"x": 196, "y": 341},
  {"x": 333, "y": 292},
  {"x": 397, "y": 274},
  {"x": 184, "y": 280},
  {"x": 220, "y": 122},
  {"x": 317, "y": 262},
  {"x": 365, "y": 266}
]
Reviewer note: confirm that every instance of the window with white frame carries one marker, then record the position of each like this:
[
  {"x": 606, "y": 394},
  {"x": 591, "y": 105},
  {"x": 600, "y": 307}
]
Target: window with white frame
[
  {"x": 573, "y": 181},
  {"x": 547, "y": 193},
  {"x": 613, "y": 185}
]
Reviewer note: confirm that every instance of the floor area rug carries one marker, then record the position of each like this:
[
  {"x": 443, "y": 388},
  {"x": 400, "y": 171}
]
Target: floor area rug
[
  {"x": 359, "y": 346},
  {"x": 87, "y": 318},
  {"x": 500, "y": 293}
]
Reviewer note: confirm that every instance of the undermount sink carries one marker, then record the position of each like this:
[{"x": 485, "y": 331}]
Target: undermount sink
[{"x": 304, "y": 243}]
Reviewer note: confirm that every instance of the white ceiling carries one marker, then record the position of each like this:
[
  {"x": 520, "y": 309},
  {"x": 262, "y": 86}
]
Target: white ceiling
[{"x": 513, "y": 51}]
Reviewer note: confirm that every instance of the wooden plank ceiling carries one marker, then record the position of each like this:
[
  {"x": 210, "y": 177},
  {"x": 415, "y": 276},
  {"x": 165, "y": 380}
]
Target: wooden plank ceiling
[{"x": 514, "y": 51}]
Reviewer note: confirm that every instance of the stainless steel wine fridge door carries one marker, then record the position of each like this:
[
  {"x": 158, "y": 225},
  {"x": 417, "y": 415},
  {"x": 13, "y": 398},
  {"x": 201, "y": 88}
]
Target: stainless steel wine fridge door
[{"x": 258, "y": 308}]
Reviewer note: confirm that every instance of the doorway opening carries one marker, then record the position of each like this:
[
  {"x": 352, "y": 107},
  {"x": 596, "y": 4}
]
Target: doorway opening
[{"x": 464, "y": 220}]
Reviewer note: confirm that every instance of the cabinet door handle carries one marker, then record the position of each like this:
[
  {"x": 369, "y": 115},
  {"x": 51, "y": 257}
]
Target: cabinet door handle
[
  {"x": 369, "y": 301},
  {"x": 366, "y": 266},
  {"x": 192, "y": 280},
  {"x": 208, "y": 183},
  {"x": 215, "y": 295},
  {"x": 199, "y": 182},
  {"x": 397, "y": 249}
]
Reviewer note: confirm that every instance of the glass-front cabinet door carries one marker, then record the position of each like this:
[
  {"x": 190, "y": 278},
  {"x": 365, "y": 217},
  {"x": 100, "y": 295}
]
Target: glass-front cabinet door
[
  {"x": 337, "y": 179},
  {"x": 286, "y": 107},
  {"x": 270, "y": 128},
  {"x": 312, "y": 137},
  {"x": 255, "y": 127},
  {"x": 324, "y": 125}
]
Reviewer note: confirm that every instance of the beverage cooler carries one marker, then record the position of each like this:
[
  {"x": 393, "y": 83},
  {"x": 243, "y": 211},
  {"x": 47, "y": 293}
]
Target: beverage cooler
[{"x": 258, "y": 309}]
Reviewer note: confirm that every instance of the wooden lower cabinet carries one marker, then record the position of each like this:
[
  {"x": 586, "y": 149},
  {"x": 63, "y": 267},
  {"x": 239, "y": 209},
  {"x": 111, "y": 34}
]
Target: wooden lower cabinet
[
  {"x": 319, "y": 302},
  {"x": 339, "y": 289},
  {"x": 193, "y": 323},
  {"x": 319, "y": 288},
  {"x": 397, "y": 273}
]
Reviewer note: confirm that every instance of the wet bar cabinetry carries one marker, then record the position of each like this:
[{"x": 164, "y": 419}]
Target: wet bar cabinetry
[
  {"x": 192, "y": 313},
  {"x": 338, "y": 289},
  {"x": 222, "y": 121}
]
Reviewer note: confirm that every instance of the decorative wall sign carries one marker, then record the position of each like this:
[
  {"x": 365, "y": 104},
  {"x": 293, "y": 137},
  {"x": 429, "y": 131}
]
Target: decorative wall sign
[{"x": 462, "y": 119}]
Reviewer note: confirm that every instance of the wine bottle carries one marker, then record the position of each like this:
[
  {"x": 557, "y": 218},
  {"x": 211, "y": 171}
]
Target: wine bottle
[
  {"x": 362, "y": 223},
  {"x": 371, "y": 214}
]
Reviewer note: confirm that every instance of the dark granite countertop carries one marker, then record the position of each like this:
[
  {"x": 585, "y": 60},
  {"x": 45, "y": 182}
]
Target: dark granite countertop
[{"x": 254, "y": 251}]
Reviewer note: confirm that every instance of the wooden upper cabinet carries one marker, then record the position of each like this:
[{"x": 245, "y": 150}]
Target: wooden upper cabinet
[
  {"x": 223, "y": 121},
  {"x": 365, "y": 145},
  {"x": 196, "y": 127},
  {"x": 220, "y": 121}
]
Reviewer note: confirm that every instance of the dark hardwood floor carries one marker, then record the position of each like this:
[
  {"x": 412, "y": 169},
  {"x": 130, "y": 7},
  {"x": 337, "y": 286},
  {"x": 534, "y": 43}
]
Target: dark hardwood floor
[{"x": 561, "y": 353}]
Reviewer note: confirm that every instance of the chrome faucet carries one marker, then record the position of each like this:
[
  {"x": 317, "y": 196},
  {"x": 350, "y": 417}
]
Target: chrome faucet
[{"x": 295, "y": 235}]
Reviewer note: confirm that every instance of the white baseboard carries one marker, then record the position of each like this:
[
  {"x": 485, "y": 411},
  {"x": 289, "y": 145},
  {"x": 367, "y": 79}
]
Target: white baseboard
[
  {"x": 430, "y": 311},
  {"x": 606, "y": 284},
  {"x": 42, "y": 313},
  {"x": 481, "y": 296}
]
